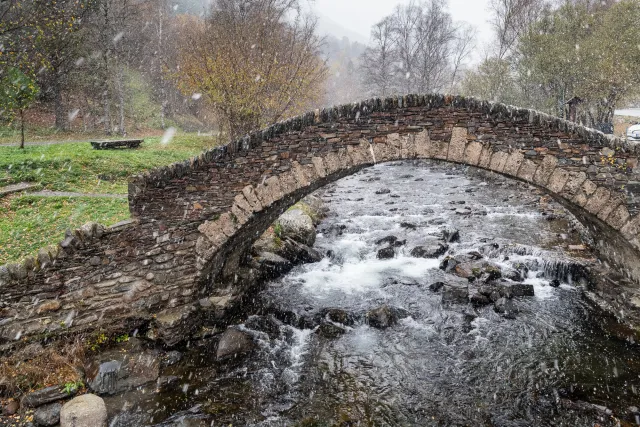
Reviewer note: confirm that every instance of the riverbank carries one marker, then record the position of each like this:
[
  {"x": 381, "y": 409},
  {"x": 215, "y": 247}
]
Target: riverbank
[{"x": 439, "y": 285}]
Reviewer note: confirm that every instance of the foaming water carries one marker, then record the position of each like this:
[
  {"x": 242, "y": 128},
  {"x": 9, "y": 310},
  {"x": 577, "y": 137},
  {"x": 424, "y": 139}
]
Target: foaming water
[{"x": 440, "y": 363}]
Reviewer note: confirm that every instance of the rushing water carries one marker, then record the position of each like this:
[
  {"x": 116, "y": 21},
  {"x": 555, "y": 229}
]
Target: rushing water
[{"x": 445, "y": 364}]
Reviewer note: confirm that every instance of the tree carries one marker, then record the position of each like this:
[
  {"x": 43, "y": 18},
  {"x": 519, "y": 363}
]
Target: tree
[
  {"x": 584, "y": 49},
  {"x": 417, "y": 49},
  {"x": 378, "y": 60},
  {"x": 510, "y": 20},
  {"x": 256, "y": 62},
  {"x": 17, "y": 92}
]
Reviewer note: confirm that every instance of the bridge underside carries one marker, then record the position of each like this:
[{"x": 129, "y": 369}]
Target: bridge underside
[{"x": 194, "y": 219}]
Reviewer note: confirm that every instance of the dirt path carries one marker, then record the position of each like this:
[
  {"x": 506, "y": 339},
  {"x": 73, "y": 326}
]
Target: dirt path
[{"x": 71, "y": 194}]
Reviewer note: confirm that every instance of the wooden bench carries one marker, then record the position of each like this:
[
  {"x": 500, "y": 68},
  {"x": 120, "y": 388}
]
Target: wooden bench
[{"x": 120, "y": 143}]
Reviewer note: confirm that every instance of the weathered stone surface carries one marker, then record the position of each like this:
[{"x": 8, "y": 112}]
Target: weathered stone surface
[
  {"x": 122, "y": 369},
  {"x": 385, "y": 316},
  {"x": 87, "y": 410},
  {"x": 48, "y": 415},
  {"x": 545, "y": 170},
  {"x": 455, "y": 293},
  {"x": 297, "y": 225},
  {"x": 458, "y": 144},
  {"x": 386, "y": 253},
  {"x": 43, "y": 396},
  {"x": 234, "y": 343},
  {"x": 429, "y": 251}
]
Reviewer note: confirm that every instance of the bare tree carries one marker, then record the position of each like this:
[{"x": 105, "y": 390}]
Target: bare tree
[
  {"x": 378, "y": 61},
  {"x": 464, "y": 45},
  {"x": 435, "y": 36},
  {"x": 510, "y": 19},
  {"x": 421, "y": 45}
]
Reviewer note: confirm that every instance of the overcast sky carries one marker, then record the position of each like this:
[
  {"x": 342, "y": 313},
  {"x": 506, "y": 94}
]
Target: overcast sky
[{"x": 358, "y": 16}]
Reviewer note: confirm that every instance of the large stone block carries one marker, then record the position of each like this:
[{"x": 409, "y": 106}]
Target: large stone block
[
  {"x": 545, "y": 170},
  {"x": 485, "y": 156},
  {"x": 527, "y": 170},
  {"x": 472, "y": 153},
  {"x": 558, "y": 180},
  {"x": 458, "y": 144},
  {"x": 598, "y": 201},
  {"x": 514, "y": 162},
  {"x": 498, "y": 161},
  {"x": 424, "y": 149}
]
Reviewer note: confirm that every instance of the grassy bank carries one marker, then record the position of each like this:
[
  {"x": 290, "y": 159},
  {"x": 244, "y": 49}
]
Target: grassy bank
[
  {"x": 28, "y": 223},
  {"x": 79, "y": 168}
]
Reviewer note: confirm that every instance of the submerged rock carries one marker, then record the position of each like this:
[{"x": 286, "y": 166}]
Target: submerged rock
[
  {"x": 506, "y": 308},
  {"x": 330, "y": 331},
  {"x": 272, "y": 265},
  {"x": 385, "y": 316},
  {"x": 435, "y": 287},
  {"x": 338, "y": 315},
  {"x": 386, "y": 253},
  {"x": 267, "y": 324},
  {"x": 234, "y": 343},
  {"x": 390, "y": 240},
  {"x": 450, "y": 235},
  {"x": 430, "y": 251},
  {"x": 511, "y": 290},
  {"x": 455, "y": 293},
  {"x": 87, "y": 410}
]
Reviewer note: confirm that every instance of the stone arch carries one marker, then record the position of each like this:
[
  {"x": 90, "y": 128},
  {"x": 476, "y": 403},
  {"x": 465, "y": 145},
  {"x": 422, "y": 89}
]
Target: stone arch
[
  {"x": 264, "y": 172},
  {"x": 191, "y": 218}
]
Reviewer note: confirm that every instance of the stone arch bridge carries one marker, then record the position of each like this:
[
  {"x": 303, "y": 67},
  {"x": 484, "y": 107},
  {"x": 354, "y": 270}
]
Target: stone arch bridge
[{"x": 192, "y": 220}]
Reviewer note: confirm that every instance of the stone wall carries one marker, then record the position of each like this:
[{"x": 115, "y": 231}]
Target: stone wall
[{"x": 194, "y": 221}]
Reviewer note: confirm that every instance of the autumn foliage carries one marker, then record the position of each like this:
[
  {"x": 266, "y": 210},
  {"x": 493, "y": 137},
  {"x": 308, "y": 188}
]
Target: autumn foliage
[{"x": 256, "y": 62}]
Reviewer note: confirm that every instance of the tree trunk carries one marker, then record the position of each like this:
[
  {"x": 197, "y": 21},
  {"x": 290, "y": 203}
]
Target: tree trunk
[
  {"x": 120, "y": 85},
  {"x": 61, "y": 119},
  {"x": 22, "y": 128}
]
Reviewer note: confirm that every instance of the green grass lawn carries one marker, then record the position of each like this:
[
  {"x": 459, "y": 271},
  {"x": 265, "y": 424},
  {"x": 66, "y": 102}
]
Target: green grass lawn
[
  {"x": 79, "y": 168},
  {"x": 28, "y": 223}
]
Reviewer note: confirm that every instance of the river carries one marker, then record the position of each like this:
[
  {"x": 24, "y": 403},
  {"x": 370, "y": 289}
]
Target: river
[{"x": 544, "y": 362}]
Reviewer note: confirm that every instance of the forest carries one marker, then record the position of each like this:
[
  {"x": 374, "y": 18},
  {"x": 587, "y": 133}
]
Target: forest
[{"x": 114, "y": 67}]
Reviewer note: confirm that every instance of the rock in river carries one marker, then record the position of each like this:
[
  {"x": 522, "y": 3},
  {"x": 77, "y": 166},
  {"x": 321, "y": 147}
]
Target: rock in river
[
  {"x": 386, "y": 253},
  {"x": 297, "y": 225},
  {"x": 385, "y": 316},
  {"x": 233, "y": 343}
]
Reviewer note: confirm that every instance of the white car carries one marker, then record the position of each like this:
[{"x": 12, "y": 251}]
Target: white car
[{"x": 633, "y": 133}]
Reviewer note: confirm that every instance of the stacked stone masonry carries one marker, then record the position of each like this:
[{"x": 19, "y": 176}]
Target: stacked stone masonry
[{"x": 194, "y": 220}]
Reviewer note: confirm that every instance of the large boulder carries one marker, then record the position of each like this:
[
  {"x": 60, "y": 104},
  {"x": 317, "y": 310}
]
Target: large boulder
[
  {"x": 48, "y": 415},
  {"x": 122, "y": 369},
  {"x": 272, "y": 265},
  {"x": 297, "y": 225},
  {"x": 87, "y": 410},
  {"x": 234, "y": 343}
]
